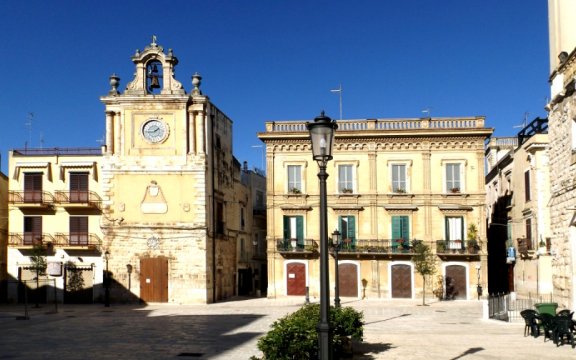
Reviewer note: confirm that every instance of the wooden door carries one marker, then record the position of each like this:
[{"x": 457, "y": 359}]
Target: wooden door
[
  {"x": 296, "y": 279},
  {"x": 401, "y": 281},
  {"x": 456, "y": 288},
  {"x": 154, "y": 279},
  {"x": 348, "y": 280}
]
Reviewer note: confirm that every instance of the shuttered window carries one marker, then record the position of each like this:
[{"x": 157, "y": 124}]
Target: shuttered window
[
  {"x": 400, "y": 227},
  {"x": 347, "y": 230},
  {"x": 33, "y": 187},
  {"x": 79, "y": 230},
  {"x": 32, "y": 230},
  {"x": 78, "y": 187},
  {"x": 294, "y": 228}
]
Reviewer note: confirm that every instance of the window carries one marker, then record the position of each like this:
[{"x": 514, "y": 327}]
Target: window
[
  {"x": 454, "y": 232},
  {"x": 32, "y": 187},
  {"x": 78, "y": 187},
  {"x": 400, "y": 227},
  {"x": 399, "y": 178},
  {"x": 294, "y": 228},
  {"x": 528, "y": 223},
  {"x": 242, "y": 218},
  {"x": 453, "y": 181},
  {"x": 295, "y": 178},
  {"x": 527, "y": 196},
  {"x": 219, "y": 218},
  {"x": 259, "y": 200},
  {"x": 347, "y": 228},
  {"x": 79, "y": 230},
  {"x": 345, "y": 179},
  {"x": 32, "y": 230}
]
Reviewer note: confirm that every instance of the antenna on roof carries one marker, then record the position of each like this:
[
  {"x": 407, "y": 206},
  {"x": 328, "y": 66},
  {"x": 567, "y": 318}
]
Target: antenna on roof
[
  {"x": 28, "y": 125},
  {"x": 525, "y": 121},
  {"x": 339, "y": 91},
  {"x": 41, "y": 140}
]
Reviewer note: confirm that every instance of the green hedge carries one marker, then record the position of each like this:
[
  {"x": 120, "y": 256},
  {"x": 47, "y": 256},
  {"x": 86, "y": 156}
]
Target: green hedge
[{"x": 295, "y": 336}]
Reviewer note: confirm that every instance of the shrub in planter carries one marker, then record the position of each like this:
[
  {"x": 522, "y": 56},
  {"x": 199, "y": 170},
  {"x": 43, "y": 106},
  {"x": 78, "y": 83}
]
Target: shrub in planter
[{"x": 295, "y": 336}]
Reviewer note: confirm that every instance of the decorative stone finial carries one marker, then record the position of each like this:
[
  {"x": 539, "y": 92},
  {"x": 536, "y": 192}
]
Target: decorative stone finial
[
  {"x": 196, "y": 82},
  {"x": 153, "y": 43},
  {"x": 114, "y": 82}
]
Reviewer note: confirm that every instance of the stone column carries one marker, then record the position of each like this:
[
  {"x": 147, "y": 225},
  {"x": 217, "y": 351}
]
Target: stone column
[
  {"x": 200, "y": 130},
  {"x": 191, "y": 133},
  {"x": 109, "y": 132},
  {"x": 117, "y": 133}
]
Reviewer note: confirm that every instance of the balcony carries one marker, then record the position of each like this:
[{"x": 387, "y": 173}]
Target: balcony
[
  {"x": 376, "y": 248},
  {"x": 31, "y": 199},
  {"x": 78, "y": 199},
  {"x": 457, "y": 248},
  {"x": 29, "y": 239},
  {"x": 80, "y": 240},
  {"x": 297, "y": 248}
]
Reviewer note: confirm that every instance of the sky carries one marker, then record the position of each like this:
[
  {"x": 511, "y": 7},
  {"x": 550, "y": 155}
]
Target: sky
[{"x": 271, "y": 60}]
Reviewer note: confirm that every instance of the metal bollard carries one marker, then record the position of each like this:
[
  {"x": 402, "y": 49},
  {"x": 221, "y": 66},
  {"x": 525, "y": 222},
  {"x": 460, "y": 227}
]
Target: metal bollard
[{"x": 307, "y": 295}]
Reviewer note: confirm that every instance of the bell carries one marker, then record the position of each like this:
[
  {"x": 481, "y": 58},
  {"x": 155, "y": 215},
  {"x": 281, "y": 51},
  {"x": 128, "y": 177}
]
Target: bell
[{"x": 154, "y": 82}]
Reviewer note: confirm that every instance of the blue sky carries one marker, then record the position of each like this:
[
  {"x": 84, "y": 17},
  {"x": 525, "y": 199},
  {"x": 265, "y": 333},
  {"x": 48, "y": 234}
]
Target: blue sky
[{"x": 264, "y": 60}]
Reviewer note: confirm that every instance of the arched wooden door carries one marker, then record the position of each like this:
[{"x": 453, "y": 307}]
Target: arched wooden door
[
  {"x": 348, "y": 280},
  {"x": 456, "y": 288},
  {"x": 401, "y": 275},
  {"x": 295, "y": 279}
]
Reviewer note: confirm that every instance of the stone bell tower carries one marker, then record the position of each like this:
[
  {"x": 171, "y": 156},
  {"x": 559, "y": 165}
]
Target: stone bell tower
[{"x": 164, "y": 176}]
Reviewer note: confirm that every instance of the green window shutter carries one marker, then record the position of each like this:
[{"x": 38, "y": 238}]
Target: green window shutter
[
  {"x": 286, "y": 227},
  {"x": 400, "y": 227},
  {"x": 352, "y": 228},
  {"x": 300, "y": 229},
  {"x": 446, "y": 229},
  {"x": 405, "y": 226}
]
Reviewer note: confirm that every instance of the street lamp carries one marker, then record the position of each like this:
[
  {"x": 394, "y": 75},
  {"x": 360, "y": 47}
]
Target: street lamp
[
  {"x": 322, "y": 136},
  {"x": 336, "y": 244},
  {"x": 129, "y": 270},
  {"x": 107, "y": 281},
  {"x": 478, "y": 286}
]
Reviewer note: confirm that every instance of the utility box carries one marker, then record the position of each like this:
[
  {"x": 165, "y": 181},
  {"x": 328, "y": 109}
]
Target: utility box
[{"x": 546, "y": 308}]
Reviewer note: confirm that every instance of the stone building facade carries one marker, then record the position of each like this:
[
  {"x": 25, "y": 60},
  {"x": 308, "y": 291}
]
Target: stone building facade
[
  {"x": 391, "y": 182},
  {"x": 167, "y": 184},
  {"x": 519, "y": 232},
  {"x": 161, "y": 213},
  {"x": 562, "y": 132}
]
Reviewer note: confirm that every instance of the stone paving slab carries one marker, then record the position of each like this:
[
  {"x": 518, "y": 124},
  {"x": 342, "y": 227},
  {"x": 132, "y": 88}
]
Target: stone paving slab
[{"x": 395, "y": 329}]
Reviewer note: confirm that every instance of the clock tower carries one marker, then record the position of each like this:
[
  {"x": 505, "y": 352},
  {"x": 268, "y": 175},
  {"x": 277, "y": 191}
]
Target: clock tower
[{"x": 166, "y": 179}]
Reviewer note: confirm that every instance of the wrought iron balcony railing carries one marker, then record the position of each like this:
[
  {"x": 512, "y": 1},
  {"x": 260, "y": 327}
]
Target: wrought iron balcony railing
[
  {"x": 456, "y": 247},
  {"x": 36, "y": 198},
  {"x": 296, "y": 245},
  {"x": 79, "y": 198},
  {"x": 81, "y": 239},
  {"x": 30, "y": 239}
]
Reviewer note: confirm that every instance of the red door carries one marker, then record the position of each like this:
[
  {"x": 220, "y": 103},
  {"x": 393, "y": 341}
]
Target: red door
[{"x": 296, "y": 279}]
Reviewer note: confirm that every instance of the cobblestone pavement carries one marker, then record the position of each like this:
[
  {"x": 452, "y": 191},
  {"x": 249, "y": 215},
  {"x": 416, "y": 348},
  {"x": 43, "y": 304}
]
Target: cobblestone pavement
[{"x": 395, "y": 329}]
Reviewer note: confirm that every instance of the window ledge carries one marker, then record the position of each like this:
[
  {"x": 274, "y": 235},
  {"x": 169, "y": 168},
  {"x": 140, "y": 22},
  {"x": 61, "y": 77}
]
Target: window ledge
[
  {"x": 401, "y": 195},
  {"x": 349, "y": 195},
  {"x": 460, "y": 194},
  {"x": 292, "y": 195}
]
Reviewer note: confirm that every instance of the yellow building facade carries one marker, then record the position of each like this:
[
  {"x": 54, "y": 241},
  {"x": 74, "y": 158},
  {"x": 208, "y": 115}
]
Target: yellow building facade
[{"x": 391, "y": 182}]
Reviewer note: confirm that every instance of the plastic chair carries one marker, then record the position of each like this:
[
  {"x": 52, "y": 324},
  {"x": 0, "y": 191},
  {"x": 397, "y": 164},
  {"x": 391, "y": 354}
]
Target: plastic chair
[
  {"x": 531, "y": 326},
  {"x": 566, "y": 313},
  {"x": 548, "y": 326},
  {"x": 563, "y": 328}
]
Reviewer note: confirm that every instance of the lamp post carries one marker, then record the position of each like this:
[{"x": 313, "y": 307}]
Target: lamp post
[
  {"x": 478, "y": 286},
  {"x": 129, "y": 270},
  {"x": 322, "y": 136},
  {"x": 107, "y": 281},
  {"x": 336, "y": 243}
]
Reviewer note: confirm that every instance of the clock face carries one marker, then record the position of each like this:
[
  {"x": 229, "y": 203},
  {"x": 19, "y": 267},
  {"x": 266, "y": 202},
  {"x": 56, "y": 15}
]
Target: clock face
[{"x": 155, "y": 130}]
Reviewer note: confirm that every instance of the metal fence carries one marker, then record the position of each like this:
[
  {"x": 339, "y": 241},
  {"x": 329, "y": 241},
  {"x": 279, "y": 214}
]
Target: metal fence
[{"x": 507, "y": 307}]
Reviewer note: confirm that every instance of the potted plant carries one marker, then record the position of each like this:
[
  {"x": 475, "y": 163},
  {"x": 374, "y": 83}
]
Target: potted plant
[
  {"x": 346, "y": 191},
  {"x": 441, "y": 247},
  {"x": 295, "y": 190},
  {"x": 400, "y": 191},
  {"x": 455, "y": 190}
]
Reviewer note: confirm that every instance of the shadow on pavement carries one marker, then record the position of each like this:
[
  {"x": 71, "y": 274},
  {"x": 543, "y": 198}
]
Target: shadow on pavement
[{"x": 368, "y": 351}]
